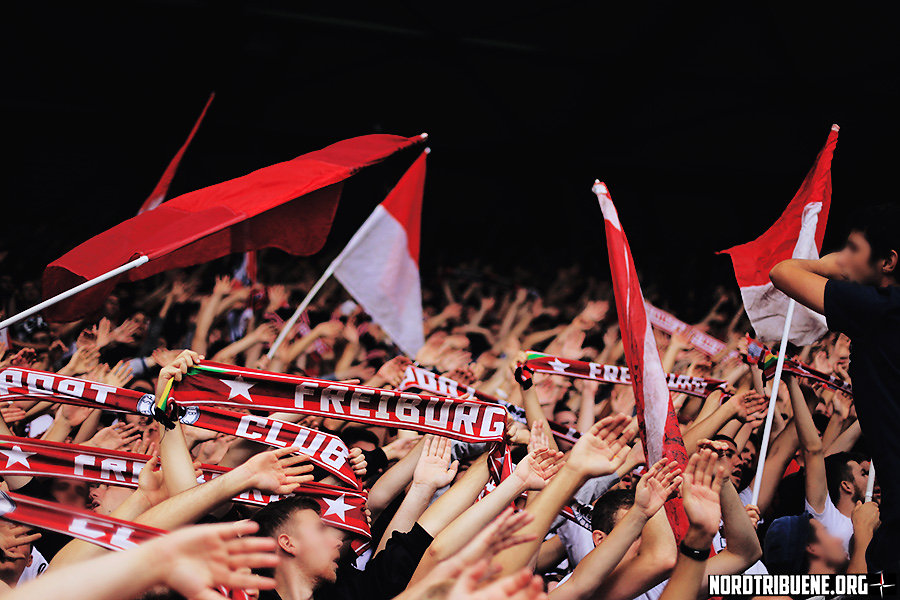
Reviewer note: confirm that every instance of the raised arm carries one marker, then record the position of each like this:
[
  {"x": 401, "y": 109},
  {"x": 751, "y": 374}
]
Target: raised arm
[
  {"x": 804, "y": 280},
  {"x": 811, "y": 446}
]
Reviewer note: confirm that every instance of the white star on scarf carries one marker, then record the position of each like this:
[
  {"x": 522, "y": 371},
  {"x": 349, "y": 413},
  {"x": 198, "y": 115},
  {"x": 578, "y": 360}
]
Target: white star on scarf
[
  {"x": 337, "y": 508},
  {"x": 238, "y": 389},
  {"x": 558, "y": 365},
  {"x": 15, "y": 456}
]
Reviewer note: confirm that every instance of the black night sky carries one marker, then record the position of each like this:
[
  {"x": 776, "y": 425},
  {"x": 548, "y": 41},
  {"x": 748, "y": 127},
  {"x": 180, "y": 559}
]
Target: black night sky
[{"x": 702, "y": 117}]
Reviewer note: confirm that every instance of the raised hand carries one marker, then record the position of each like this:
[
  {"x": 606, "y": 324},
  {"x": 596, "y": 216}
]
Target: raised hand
[
  {"x": 521, "y": 585},
  {"x": 434, "y": 468},
  {"x": 73, "y": 415},
  {"x": 10, "y": 413},
  {"x": 15, "y": 540},
  {"x": 195, "y": 559},
  {"x": 124, "y": 333},
  {"x": 702, "y": 482},
  {"x": 393, "y": 370},
  {"x": 277, "y": 471},
  {"x": 536, "y": 469},
  {"x": 115, "y": 437},
  {"x": 176, "y": 370},
  {"x": 119, "y": 375},
  {"x": 603, "y": 448},
  {"x": 656, "y": 485},
  {"x": 358, "y": 463},
  {"x": 539, "y": 440},
  {"x": 400, "y": 447},
  {"x": 151, "y": 483},
  {"x": 749, "y": 406}
]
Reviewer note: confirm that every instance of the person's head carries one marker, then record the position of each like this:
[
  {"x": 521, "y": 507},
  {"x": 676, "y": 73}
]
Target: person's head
[
  {"x": 11, "y": 568},
  {"x": 798, "y": 545},
  {"x": 870, "y": 255},
  {"x": 360, "y": 437},
  {"x": 69, "y": 492},
  {"x": 107, "y": 498},
  {"x": 564, "y": 415},
  {"x": 847, "y": 474},
  {"x": 608, "y": 511},
  {"x": 303, "y": 539}
]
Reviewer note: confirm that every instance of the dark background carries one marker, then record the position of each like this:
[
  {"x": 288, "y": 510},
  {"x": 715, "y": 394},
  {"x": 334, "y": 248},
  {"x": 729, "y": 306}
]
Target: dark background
[{"x": 703, "y": 118}]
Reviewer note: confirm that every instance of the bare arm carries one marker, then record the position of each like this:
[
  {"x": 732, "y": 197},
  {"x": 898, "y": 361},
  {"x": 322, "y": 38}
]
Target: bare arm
[{"x": 804, "y": 280}]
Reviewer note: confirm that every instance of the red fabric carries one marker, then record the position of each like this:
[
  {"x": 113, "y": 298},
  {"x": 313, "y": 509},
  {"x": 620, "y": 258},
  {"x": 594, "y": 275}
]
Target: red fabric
[
  {"x": 105, "y": 531},
  {"x": 636, "y": 330},
  {"x": 288, "y": 205},
  {"x": 24, "y": 456},
  {"x": 158, "y": 195},
  {"x": 220, "y": 384},
  {"x": 325, "y": 450},
  {"x": 404, "y": 203},
  {"x": 753, "y": 261}
]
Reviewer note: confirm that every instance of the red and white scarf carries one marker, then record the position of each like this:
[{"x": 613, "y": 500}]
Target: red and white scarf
[
  {"x": 325, "y": 450},
  {"x": 465, "y": 420},
  {"x": 424, "y": 380},
  {"x": 340, "y": 507},
  {"x": 554, "y": 365}
]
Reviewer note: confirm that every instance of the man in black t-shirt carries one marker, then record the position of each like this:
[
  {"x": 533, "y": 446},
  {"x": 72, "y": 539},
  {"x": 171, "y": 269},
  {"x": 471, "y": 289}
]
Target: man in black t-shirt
[
  {"x": 857, "y": 291},
  {"x": 311, "y": 565}
]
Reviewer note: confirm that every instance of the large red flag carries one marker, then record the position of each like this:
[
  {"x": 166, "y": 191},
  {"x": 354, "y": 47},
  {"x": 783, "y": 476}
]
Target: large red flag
[
  {"x": 158, "y": 195},
  {"x": 656, "y": 416},
  {"x": 288, "y": 205},
  {"x": 797, "y": 233}
]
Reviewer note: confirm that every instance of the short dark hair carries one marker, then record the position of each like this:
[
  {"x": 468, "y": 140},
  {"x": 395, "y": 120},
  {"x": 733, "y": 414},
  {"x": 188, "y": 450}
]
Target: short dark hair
[
  {"x": 561, "y": 406},
  {"x": 272, "y": 516},
  {"x": 837, "y": 471},
  {"x": 879, "y": 226},
  {"x": 351, "y": 435},
  {"x": 603, "y": 517}
]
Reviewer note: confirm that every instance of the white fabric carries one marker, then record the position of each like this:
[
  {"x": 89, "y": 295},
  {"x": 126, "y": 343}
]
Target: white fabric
[
  {"x": 577, "y": 541},
  {"x": 767, "y": 306},
  {"x": 380, "y": 274},
  {"x": 37, "y": 566},
  {"x": 834, "y": 521}
]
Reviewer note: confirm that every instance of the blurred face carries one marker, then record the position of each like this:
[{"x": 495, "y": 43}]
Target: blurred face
[
  {"x": 599, "y": 536},
  {"x": 746, "y": 457},
  {"x": 860, "y": 479},
  {"x": 364, "y": 445},
  {"x": 312, "y": 545},
  {"x": 827, "y": 547},
  {"x": 855, "y": 260},
  {"x": 565, "y": 417},
  {"x": 107, "y": 498},
  {"x": 70, "y": 492}
]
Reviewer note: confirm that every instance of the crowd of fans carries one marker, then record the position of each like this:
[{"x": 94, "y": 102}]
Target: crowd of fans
[{"x": 432, "y": 537}]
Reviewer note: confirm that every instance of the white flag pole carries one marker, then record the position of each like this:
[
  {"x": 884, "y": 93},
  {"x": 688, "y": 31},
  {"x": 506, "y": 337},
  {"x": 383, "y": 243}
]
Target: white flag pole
[
  {"x": 78, "y": 288},
  {"x": 870, "y": 485},
  {"x": 764, "y": 448},
  {"x": 357, "y": 237}
]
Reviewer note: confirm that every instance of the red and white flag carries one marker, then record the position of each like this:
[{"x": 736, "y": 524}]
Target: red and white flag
[
  {"x": 797, "y": 233},
  {"x": 656, "y": 416},
  {"x": 380, "y": 265}
]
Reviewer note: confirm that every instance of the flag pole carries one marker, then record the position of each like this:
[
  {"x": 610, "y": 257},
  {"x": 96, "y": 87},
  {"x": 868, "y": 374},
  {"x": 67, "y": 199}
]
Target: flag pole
[
  {"x": 870, "y": 485},
  {"x": 78, "y": 288},
  {"x": 356, "y": 239},
  {"x": 764, "y": 446}
]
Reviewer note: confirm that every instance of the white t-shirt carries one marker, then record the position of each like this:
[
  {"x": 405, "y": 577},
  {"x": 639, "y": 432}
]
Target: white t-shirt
[
  {"x": 38, "y": 564},
  {"x": 834, "y": 521},
  {"x": 577, "y": 541}
]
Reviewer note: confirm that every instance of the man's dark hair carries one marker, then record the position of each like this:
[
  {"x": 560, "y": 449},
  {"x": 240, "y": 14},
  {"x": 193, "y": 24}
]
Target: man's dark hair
[
  {"x": 838, "y": 470},
  {"x": 879, "y": 226},
  {"x": 351, "y": 435},
  {"x": 603, "y": 517},
  {"x": 561, "y": 406},
  {"x": 272, "y": 516}
]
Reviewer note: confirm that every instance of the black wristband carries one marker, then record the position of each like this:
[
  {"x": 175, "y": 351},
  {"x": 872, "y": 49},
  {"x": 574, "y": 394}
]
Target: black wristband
[{"x": 693, "y": 553}]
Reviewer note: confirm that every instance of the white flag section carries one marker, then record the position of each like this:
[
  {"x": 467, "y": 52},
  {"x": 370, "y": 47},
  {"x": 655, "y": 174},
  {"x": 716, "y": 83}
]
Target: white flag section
[
  {"x": 766, "y": 306},
  {"x": 797, "y": 233},
  {"x": 380, "y": 265}
]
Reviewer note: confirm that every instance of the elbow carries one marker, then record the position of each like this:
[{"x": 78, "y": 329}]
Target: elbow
[
  {"x": 665, "y": 558},
  {"x": 776, "y": 275}
]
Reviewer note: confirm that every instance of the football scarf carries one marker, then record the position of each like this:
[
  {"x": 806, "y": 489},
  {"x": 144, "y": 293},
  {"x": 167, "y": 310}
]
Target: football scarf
[
  {"x": 341, "y": 508},
  {"x": 535, "y": 362},
  {"x": 759, "y": 354},
  {"x": 470, "y": 421},
  {"x": 325, "y": 450},
  {"x": 424, "y": 380}
]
